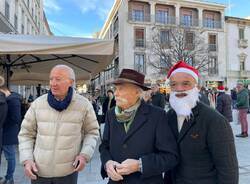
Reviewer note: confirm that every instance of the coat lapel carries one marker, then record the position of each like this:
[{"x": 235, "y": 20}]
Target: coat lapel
[
  {"x": 139, "y": 120},
  {"x": 188, "y": 124},
  {"x": 172, "y": 118}
]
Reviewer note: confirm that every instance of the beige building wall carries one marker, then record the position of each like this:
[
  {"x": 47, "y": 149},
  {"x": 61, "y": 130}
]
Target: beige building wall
[
  {"x": 128, "y": 21},
  {"x": 238, "y": 49},
  {"x": 23, "y": 17}
]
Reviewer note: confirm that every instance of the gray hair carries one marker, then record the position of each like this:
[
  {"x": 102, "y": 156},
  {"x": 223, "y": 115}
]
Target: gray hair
[
  {"x": 2, "y": 81},
  {"x": 69, "y": 70}
]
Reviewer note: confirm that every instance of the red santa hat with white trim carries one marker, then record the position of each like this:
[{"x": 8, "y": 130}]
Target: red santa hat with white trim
[
  {"x": 182, "y": 67},
  {"x": 221, "y": 88}
]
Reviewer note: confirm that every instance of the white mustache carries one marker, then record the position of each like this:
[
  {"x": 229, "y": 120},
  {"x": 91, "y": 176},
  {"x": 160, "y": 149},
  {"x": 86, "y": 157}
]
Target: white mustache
[{"x": 121, "y": 99}]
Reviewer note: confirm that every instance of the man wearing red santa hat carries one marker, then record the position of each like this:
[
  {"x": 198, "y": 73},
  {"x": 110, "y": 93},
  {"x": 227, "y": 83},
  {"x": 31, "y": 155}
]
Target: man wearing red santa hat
[
  {"x": 224, "y": 103},
  {"x": 204, "y": 137}
]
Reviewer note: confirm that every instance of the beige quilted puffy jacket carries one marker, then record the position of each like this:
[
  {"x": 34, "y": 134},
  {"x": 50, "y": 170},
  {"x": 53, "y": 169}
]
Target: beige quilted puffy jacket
[{"x": 53, "y": 139}]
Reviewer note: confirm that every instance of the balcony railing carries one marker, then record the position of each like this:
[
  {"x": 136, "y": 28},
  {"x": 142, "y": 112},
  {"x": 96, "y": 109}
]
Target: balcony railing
[
  {"x": 212, "y": 24},
  {"x": 139, "y": 43},
  {"x": 189, "y": 22},
  {"x": 212, "y": 47},
  {"x": 243, "y": 43},
  {"x": 166, "y": 20},
  {"x": 243, "y": 73},
  {"x": 137, "y": 17}
]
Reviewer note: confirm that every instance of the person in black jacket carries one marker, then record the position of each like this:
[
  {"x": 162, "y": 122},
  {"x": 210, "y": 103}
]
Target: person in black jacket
[
  {"x": 157, "y": 98},
  {"x": 224, "y": 104},
  {"x": 138, "y": 145},
  {"x": 108, "y": 103},
  {"x": 10, "y": 131},
  {"x": 204, "y": 137},
  {"x": 3, "y": 110}
]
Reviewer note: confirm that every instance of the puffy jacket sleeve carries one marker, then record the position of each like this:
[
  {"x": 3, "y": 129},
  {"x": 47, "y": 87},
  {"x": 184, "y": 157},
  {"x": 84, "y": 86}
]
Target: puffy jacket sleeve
[
  {"x": 90, "y": 132},
  {"x": 27, "y": 135}
]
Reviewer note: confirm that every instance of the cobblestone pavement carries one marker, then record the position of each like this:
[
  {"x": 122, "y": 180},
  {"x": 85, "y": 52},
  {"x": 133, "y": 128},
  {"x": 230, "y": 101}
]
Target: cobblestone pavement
[{"x": 91, "y": 174}]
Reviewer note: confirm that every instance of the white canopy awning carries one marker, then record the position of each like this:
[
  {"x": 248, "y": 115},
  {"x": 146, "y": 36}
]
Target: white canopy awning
[{"x": 31, "y": 58}]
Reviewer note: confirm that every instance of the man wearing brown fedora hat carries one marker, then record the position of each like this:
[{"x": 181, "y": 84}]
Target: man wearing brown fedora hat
[{"x": 137, "y": 145}]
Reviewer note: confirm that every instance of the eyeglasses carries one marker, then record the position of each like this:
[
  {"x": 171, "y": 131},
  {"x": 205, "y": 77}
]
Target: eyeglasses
[{"x": 185, "y": 84}]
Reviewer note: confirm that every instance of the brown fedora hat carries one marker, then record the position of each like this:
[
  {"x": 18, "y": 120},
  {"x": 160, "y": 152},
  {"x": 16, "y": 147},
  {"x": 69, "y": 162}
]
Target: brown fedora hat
[{"x": 133, "y": 77}]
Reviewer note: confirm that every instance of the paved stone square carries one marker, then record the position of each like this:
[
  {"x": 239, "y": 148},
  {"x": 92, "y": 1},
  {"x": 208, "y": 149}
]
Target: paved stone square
[{"x": 91, "y": 174}]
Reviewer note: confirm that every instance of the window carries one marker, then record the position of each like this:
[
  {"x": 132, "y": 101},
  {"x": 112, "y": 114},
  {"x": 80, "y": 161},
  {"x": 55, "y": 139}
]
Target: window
[
  {"x": 28, "y": 4},
  {"x": 22, "y": 29},
  {"x": 187, "y": 18},
  {"x": 138, "y": 15},
  {"x": 23, "y": 16},
  {"x": 7, "y": 10},
  {"x": 162, "y": 16},
  {"x": 15, "y": 21},
  {"x": 139, "y": 11},
  {"x": 242, "y": 65},
  {"x": 140, "y": 63},
  {"x": 164, "y": 37},
  {"x": 139, "y": 37},
  {"x": 189, "y": 40},
  {"x": 209, "y": 21},
  {"x": 241, "y": 33},
  {"x": 212, "y": 43},
  {"x": 212, "y": 66},
  {"x": 164, "y": 60}
]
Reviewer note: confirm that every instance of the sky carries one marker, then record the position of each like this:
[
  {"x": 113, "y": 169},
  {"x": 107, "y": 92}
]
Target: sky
[{"x": 83, "y": 18}]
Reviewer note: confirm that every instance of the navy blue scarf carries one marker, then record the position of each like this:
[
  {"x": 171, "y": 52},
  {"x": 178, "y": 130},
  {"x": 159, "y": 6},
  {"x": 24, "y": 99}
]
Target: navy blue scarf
[{"x": 60, "y": 105}]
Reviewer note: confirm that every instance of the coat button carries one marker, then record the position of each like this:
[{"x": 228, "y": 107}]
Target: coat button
[{"x": 125, "y": 146}]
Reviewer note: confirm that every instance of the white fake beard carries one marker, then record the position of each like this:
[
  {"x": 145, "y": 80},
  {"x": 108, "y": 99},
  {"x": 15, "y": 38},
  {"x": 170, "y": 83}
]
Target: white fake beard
[{"x": 183, "y": 105}]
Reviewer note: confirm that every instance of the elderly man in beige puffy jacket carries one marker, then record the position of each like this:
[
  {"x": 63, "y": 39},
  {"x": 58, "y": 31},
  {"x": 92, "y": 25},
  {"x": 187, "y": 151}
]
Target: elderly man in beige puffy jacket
[{"x": 59, "y": 132}]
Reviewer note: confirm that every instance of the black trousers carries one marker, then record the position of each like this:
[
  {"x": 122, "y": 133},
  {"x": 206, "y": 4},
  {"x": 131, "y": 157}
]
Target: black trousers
[{"x": 70, "y": 179}]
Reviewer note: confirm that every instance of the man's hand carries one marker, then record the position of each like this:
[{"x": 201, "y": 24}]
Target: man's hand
[
  {"x": 30, "y": 168},
  {"x": 79, "y": 163},
  {"x": 128, "y": 166},
  {"x": 111, "y": 170}
]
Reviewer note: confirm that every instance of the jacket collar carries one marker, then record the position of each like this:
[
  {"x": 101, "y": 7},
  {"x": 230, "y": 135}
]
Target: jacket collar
[{"x": 139, "y": 120}]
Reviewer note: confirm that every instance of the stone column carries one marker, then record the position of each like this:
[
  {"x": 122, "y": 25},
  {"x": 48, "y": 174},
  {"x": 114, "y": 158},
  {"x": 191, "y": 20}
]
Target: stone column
[
  {"x": 200, "y": 17},
  {"x": 152, "y": 11},
  {"x": 177, "y": 14}
]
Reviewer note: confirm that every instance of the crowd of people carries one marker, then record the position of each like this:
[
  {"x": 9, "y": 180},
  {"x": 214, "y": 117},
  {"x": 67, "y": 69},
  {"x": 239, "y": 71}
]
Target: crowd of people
[{"x": 148, "y": 137}]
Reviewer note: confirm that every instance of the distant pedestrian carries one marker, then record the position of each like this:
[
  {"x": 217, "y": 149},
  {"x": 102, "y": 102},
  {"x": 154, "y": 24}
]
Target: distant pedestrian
[
  {"x": 212, "y": 98},
  {"x": 224, "y": 103},
  {"x": 234, "y": 97},
  {"x": 3, "y": 110},
  {"x": 59, "y": 132},
  {"x": 158, "y": 99},
  {"x": 203, "y": 96},
  {"x": 108, "y": 103},
  {"x": 242, "y": 105},
  {"x": 10, "y": 131}
]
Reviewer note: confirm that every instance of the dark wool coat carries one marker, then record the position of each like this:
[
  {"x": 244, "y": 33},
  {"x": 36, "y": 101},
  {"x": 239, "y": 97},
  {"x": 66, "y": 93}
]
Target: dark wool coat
[
  {"x": 224, "y": 105},
  {"x": 13, "y": 120},
  {"x": 148, "y": 138},
  {"x": 206, "y": 148},
  {"x": 105, "y": 105},
  {"x": 159, "y": 100}
]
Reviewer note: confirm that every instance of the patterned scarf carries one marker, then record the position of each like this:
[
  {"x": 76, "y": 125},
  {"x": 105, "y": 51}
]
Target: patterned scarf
[{"x": 128, "y": 114}]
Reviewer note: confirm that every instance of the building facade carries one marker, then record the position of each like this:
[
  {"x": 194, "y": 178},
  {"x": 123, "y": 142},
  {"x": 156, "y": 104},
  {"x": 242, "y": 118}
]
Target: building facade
[
  {"x": 131, "y": 24},
  {"x": 23, "y": 17},
  {"x": 238, "y": 59}
]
